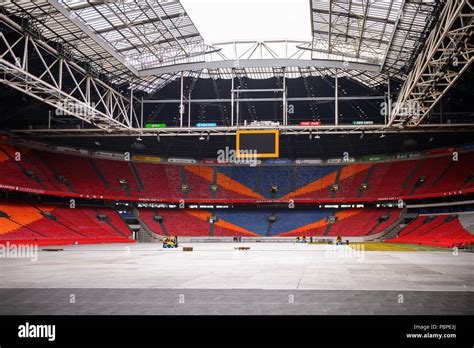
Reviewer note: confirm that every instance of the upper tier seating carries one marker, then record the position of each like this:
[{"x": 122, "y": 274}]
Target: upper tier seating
[
  {"x": 11, "y": 172},
  {"x": 113, "y": 172},
  {"x": 387, "y": 178},
  {"x": 199, "y": 179},
  {"x": 160, "y": 180},
  {"x": 42, "y": 170},
  {"x": 457, "y": 174},
  {"x": 34, "y": 157},
  {"x": 78, "y": 171},
  {"x": 350, "y": 185},
  {"x": 431, "y": 169},
  {"x": 276, "y": 176}
]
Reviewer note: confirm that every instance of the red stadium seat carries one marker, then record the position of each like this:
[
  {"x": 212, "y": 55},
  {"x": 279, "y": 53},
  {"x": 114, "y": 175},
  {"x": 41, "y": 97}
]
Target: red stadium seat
[{"x": 28, "y": 224}]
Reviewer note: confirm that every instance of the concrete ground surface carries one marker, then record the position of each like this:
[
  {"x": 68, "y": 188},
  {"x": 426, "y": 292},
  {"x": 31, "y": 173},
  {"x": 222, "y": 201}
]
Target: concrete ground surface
[{"x": 283, "y": 278}]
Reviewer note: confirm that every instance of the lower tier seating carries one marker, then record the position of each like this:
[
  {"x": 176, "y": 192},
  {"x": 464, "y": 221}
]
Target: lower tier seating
[
  {"x": 176, "y": 222},
  {"x": 442, "y": 230},
  {"x": 262, "y": 222},
  {"x": 58, "y": 225}
]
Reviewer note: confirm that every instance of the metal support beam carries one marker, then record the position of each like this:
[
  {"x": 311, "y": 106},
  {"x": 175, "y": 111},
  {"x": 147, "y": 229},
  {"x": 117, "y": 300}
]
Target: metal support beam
[
  {"x": 448, "y": 52},
  {"x": 329, "y": 26},
  {"x": 83, "y": 96},
  {"x": 336, "y": 100},
  {"x": 388, "y": 112},
  {"x": 285, "y": 103},
  {"x": 272, "y": 99},
  {"x": 232, "y": 101},
  {"x": 189, "y": 109},
  {"x": 237, "y": 113},
  {"x": 181, "y": 105},
  {"x": 141, "y": 114},
  {"x": 259, "y": 63},
  {"x": 131, "y": 103},
  {"x": 237, "y": 91},
  {"x": 220, "y": 131}
]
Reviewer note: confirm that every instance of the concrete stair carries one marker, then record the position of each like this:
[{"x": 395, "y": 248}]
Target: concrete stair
[
  {"x": 467, "y": 221},
  {"x": 393, "y": 230}
]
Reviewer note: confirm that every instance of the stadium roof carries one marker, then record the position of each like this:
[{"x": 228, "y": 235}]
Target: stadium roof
[
  {"x": 118, "y": 38},
  {"x": 387, "y": 33},
  {"x": 149, "y": 43}
]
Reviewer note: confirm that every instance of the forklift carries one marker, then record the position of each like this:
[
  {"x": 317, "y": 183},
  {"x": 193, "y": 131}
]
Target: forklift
[{"x": 170, "y": 242}]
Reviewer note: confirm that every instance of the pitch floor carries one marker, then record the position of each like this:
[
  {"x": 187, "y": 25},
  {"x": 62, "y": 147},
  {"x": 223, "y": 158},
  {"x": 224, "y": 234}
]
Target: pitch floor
[{"x": 270, "y": 278}]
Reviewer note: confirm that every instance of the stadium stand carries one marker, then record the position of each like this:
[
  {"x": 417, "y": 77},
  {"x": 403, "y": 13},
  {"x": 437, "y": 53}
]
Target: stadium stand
[
  {"x": 245, "y": 175},
  {"x": 442, "y": 230},
  {"x": 34, "y": 157},
  {"x": 57, "y": 225},
  {"x": 388, "y": 178},
  {"x": 322, "y": 178},
  {"x": 239, "y": 222},
  {"x": 66, "y": 174},
  {"x": 160, "y": 180},
  {"x": 198, "y": 181},
  {"x": 350, "y": 185},
  {"x": 457, "y": 174},
  {"x": 280, "y": 177},
  {"x": 366, "y": 223},
  {"x": 182, "y": 222},
  {"x": 10, "y": 171},
  {"x": 430, "y": 170},
  {"x": 78, "y": 171},
  {"x": 112, "y": 172}
]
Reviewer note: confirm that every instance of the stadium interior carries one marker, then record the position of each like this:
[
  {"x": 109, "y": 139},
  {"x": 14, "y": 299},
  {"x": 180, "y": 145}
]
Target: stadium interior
[{"x": 121, "y": 132}]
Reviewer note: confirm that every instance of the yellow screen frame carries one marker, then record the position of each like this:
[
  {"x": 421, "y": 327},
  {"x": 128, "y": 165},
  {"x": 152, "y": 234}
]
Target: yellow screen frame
[{"x": 275, "y": 154}]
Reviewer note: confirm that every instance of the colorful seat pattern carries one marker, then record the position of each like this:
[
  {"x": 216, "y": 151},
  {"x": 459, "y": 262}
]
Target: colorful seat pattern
[
  {"x": 42, "y": 170},
  {"x": 22, "y": 223},
  {"x": 442, "y": 230},
  {"x": 239, "y": 222}
]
